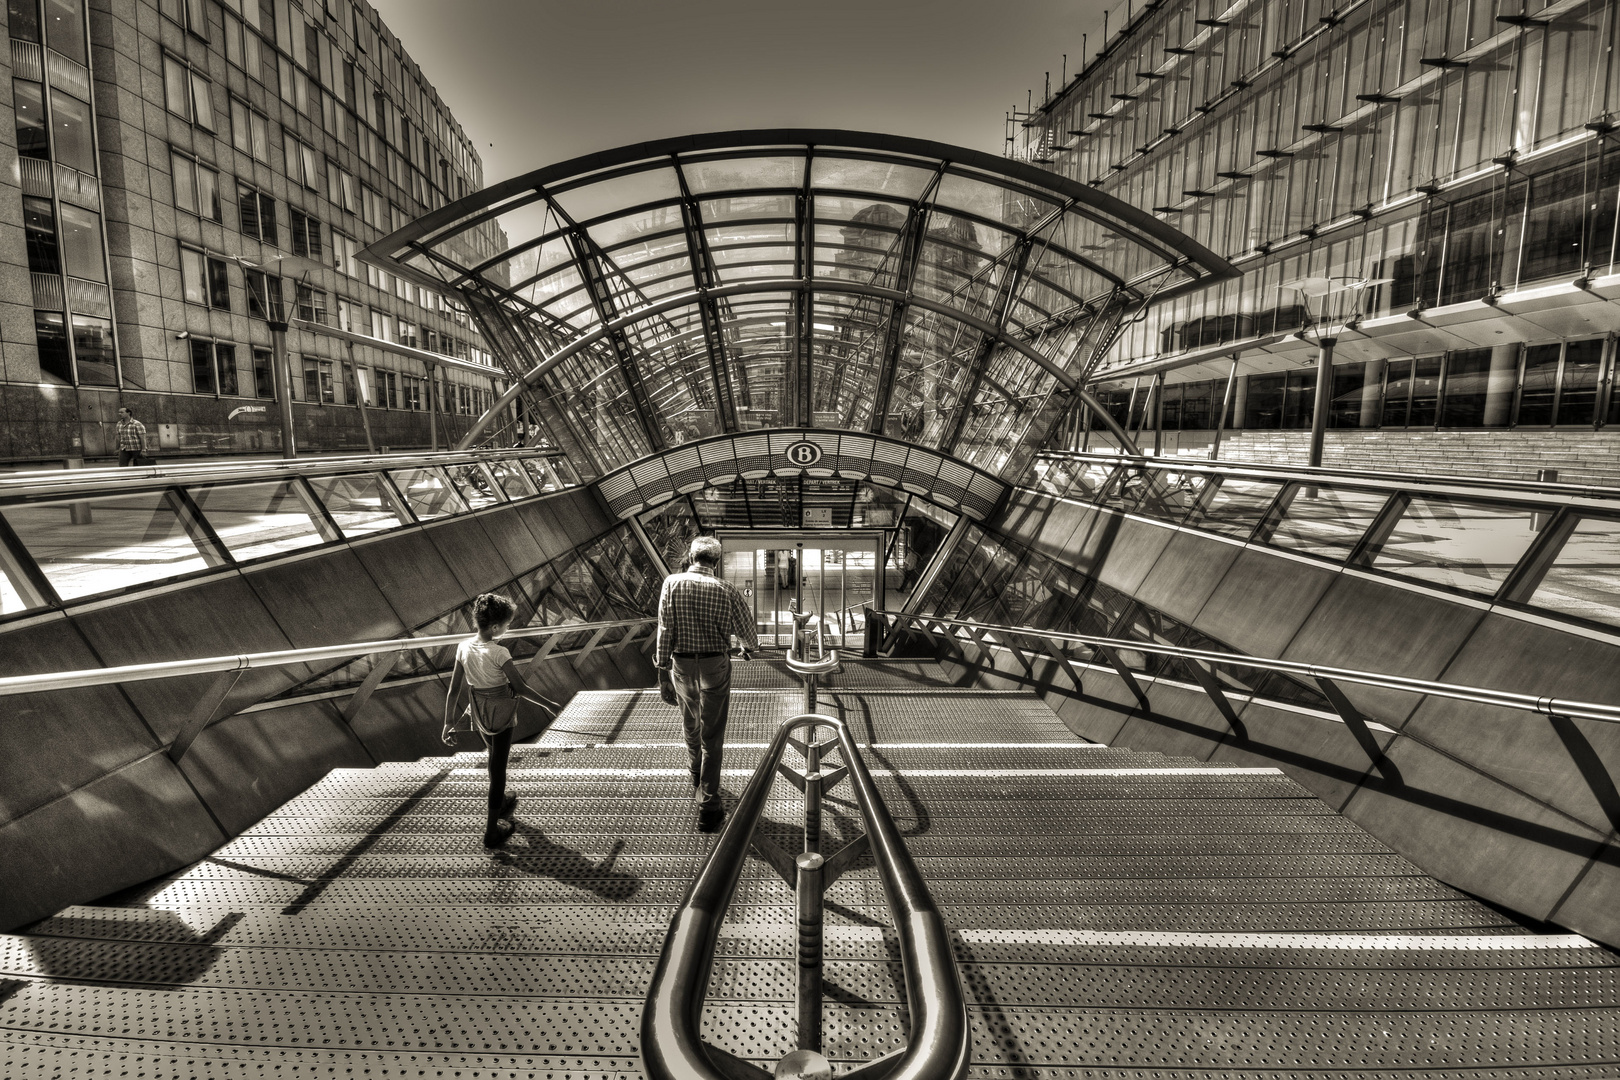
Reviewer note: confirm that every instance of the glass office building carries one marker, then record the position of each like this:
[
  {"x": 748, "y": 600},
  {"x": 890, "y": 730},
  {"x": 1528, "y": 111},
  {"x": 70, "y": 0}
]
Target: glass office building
[
  {"x": 191, "y": 171},
  {"x": 1432, "y": 184}
]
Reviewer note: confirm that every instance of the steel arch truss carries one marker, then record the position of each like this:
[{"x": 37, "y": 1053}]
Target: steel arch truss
[{"x": 660, "y": 294}]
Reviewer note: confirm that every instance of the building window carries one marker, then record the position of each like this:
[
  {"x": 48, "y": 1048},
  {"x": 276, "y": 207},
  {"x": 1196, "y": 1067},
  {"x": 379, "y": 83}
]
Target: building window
[
  {"x": 264, "y": 381},
  {"x": 306, "y": 234},
  {"x": 318, "y": 381},
  {"x": 187, "y": 93},
  {"x": 213, "y": 367},
  {"x": 345, "y": 252},
  {"x": 303, "y": 167},
  {"x": 258, "y": 212},
  {"x": 196, "y": 187},
  {"x": 250, "y": 131},
  {"x": 39, "y": 226},
  {"x": 311, "y": 304},
  {"x": 191, "y": 14},
  {"x": 348, "y": 314},
  {"x": 71, "y": 123},
  {"x": 407, "y": 333},
  {"x": 81, "y": 243},
  {"x": 204, "y": 280},
  {"x": 242, "y": 44},
  {"x": 263, "y": 295},
  {"x": 340, "y": 187},
  {"x": 382, "y": 325}
]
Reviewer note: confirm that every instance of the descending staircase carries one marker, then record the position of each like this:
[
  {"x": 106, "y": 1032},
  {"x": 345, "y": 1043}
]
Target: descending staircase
[{"x": 1116, "y": 914}]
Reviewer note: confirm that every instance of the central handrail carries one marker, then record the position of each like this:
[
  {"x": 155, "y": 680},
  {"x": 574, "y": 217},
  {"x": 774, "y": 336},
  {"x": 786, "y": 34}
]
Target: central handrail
[{"x": 672, "y": 1046}]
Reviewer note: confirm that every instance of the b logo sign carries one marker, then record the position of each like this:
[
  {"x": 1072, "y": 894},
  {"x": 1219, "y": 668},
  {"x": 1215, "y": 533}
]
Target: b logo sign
[{"x": 803, "y": 453}]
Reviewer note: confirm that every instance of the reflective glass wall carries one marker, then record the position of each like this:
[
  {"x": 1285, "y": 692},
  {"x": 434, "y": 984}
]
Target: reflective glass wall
[{"x": 1446, "y": 149}]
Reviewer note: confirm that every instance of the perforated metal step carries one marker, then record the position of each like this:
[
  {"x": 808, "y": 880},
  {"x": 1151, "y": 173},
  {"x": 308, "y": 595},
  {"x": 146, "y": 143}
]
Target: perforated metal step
[{"x": 1114, "y": 915}]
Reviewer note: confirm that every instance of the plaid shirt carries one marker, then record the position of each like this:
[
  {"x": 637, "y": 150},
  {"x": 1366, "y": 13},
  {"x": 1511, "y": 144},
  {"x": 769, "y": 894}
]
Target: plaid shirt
[
  {"x": 131, "y": 434},
  {"x": 697, "y": 612}
]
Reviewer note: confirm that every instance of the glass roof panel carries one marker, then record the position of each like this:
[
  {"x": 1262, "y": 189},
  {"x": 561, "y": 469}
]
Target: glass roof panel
[
  {"x": 618, "y": 193},
  {"x": 741, "y": 207},
  {"x": 885, "y": 177},
  {"x": 913, "y": 256},
  {"x": 744, "y": 172}
]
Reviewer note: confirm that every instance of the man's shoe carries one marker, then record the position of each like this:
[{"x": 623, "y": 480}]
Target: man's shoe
[
  {"x": 710, "y": 818},
  {"x": 496, "y": 836}
]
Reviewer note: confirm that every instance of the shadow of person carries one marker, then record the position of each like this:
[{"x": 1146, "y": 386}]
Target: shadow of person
[
  {"x": 157, "y": 949},
  {"x": 530, "y": 851}
]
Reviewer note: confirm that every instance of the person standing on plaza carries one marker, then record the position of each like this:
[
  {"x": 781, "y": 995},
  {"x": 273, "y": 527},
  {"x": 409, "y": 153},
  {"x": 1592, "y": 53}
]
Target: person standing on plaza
[
  {"x": 698, "y": 614},
  {"x": 131, "y": 438}
]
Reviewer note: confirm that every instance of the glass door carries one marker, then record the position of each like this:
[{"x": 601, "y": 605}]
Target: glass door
[{"x": 834, "y": 576}]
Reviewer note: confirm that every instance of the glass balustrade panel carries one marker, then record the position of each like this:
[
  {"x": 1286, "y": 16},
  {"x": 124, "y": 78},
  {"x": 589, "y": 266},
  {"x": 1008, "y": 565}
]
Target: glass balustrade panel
[
  {"x": 1465, "y": 545},
  {"x": 1584, "y": 580},
  {"x": 104, "y": 543},
  {"x": 257, "y": 520}
]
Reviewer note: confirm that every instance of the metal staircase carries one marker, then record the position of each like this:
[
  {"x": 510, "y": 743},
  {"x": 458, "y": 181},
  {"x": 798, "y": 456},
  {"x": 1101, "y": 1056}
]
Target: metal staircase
[{"x": 1113, "y": 914}]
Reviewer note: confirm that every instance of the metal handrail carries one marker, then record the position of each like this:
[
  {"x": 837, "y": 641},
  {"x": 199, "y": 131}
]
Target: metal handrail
[
  {"x": 672, "y": 1047},
  {"x": 46, "y": 483},
  {"x": 1381, "y": 481},
  {"x": 168, "y": 669},
  {"x": 1544, "y": 705}
]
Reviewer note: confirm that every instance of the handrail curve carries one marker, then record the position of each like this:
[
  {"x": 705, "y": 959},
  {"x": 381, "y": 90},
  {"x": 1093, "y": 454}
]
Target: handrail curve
[
  {"x": 672, "y": 1047},
  {"x": 1545, "y": 705}
]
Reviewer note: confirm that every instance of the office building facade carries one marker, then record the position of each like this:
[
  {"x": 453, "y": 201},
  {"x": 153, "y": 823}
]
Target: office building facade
[
  {"x": 190, "y": 172},
  {"x": 1430, "y": 185}
]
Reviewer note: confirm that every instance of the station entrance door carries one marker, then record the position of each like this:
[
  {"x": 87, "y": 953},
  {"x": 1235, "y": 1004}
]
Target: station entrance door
[{"x": 833, "y": 574}]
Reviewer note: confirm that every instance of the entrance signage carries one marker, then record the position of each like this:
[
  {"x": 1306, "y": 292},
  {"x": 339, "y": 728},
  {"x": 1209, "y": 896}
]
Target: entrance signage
[{"x": 802, "y": 454}]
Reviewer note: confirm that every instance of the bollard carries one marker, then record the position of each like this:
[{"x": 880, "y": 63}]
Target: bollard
[{"x": 810, "y": 915}]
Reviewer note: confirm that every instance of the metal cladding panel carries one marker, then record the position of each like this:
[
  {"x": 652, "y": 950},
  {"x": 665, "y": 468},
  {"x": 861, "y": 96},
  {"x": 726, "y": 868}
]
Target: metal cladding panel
[
  {"x": 952, "y": 483},
  {"x": 1534, "y": 852},
  {"x": 1132, "y": 553},
  {"x": 855, "y": 452},
  {"x": 1381, "y": 627},
  {"x": 621, "y": 493},
  {"x": 983, "y": 491},
  {"x": 1569, "y": 765},
  {"x": 54, "y": 743},
  {"x": 402, "y": 723},
  {"x": 512, "y": 538},
  {"x": 1590, "y": 908},
  {"x": 652, "y": 477},
  {"x": 753, "y": 455},
  {"x": 474, "y": 561},
  {"x": 685, "y": 467},
  {"x": 1185, "y": 574},
  {"x": 1199, "y": 727},
  {"x": 246, "y": 766},
  {"x": 920, "y": 470},
  {"x": 1327, "y": 759},
  {"x": 541, "y": 519},
  {"x": 1262, "y": 601},
  {"x": 828, "y": 441},
  {"x": 407, "y": 570},
  {"x": 581, "y": 515},
  {"x": 719, "y": 461},
  {"x": 212, "y": 616},
  {"x": 779, "y": 442},
  {"x": 888, "y": 463},
  {"x": 131, "y": 825}
]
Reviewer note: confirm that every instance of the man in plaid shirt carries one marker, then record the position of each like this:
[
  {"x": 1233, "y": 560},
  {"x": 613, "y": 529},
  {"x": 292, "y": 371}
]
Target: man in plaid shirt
[
  {"x": 131, "y": 437},
  {"x": 697, "y": 616}
]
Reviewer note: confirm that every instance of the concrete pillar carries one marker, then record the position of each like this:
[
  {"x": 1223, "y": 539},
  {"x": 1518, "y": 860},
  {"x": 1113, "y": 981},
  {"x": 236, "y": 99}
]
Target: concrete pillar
[
  {"x": 1240, "y": 403},
  {"x": 1324, "y": 400},
  {"x": 1372, "y": 390},
  {"x": 1499, "y": 385}
]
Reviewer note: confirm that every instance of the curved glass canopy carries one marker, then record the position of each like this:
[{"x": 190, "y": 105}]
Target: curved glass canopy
[{"x": 660, "y": 293}]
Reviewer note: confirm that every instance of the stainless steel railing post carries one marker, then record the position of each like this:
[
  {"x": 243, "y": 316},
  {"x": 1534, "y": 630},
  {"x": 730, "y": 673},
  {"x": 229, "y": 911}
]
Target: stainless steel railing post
[
  {"x": 810, "y": 909},
  {"x": 812, "y": 792}
]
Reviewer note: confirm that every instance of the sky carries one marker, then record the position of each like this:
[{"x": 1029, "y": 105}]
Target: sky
[{"x": 540, "y": 81}]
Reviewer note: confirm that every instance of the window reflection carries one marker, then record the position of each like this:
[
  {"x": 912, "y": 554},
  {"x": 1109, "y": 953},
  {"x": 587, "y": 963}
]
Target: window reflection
[
  {"x": 256, "y": 520},
  {"x": 1458, "y": 543},
  {"x": 107, "y": 543},
  {"x": 1584, "y": 579}
]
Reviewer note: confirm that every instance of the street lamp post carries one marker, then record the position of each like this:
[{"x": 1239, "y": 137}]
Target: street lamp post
[{"x": 1332, "y": 304}]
